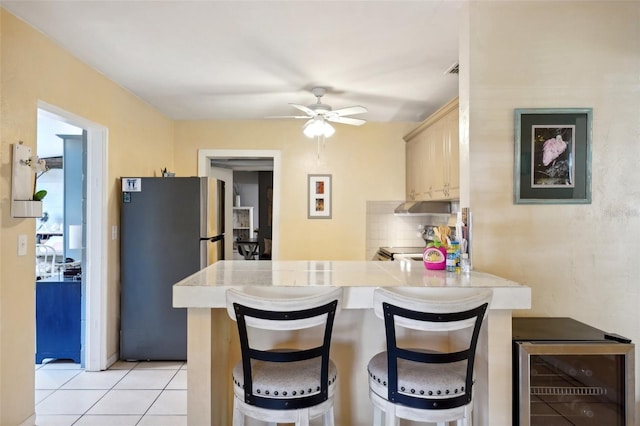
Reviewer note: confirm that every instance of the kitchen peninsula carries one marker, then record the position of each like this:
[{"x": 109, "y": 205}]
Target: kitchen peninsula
[{"x": 213, "y": 349}]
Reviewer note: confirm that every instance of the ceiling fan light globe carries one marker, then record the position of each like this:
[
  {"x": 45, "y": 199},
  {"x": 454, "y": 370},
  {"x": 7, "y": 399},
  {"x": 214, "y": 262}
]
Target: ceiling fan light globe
[
  {"x": 312, "y": 128},
  {"x": 328, "y": 130},
  {"x": 318, "y": 127},
  {"x": 308, "y": 132}
]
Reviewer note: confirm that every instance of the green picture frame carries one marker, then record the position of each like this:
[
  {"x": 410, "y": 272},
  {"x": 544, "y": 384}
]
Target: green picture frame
[{"x": 552, "y": 155}]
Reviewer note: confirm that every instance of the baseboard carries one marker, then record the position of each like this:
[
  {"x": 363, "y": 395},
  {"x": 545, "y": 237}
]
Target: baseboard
[
  {"x": 112, "y": 359},
  {"x": 31, "y": 421}
]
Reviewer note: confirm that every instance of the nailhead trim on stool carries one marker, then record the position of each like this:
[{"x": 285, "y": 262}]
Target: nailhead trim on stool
[
  {"x": 273, "y": 380},
  {"x": 419, "y": 379}
]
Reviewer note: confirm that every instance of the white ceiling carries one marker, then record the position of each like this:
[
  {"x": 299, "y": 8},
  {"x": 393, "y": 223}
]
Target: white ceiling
[{"x": 249, "y": 59}]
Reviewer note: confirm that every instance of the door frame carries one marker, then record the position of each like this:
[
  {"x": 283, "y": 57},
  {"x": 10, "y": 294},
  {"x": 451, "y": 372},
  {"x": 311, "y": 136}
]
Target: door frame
[
  {"x": 204, "y": 169},
  {"x": 226, "y": 175},
  {"x": 95, "y": 271}
]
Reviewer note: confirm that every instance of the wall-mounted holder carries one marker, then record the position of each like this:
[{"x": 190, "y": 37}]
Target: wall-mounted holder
[{"x": 22, "y": 203}]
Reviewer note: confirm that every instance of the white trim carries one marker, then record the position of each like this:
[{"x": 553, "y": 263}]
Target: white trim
[
  {"x": 226, "y": 175},
  {"x": 96, "y": 297},
  {"x": 95, "y": 354},
  {"x": 204, "y": 156},
  {"x": 113, "y": 359}
]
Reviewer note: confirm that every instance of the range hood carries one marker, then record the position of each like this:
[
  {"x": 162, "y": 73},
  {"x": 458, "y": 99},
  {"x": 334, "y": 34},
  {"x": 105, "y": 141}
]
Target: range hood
[{"x": 423, "y": 208}]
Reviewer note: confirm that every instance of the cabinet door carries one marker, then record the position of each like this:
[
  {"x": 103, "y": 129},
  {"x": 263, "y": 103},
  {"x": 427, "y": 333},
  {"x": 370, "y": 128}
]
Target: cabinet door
[
  {"x": 438, "y": 161},
  {"x": 58, "y": 323},
  {"x": 432, "y": 157},
  {"x": 452, "y": 174},
  {"x": 419, "y": 166},
  {"x": 412, "y": 168},
  {"x": 423, "y": 164},
  {"x": 446, "y": 150}
]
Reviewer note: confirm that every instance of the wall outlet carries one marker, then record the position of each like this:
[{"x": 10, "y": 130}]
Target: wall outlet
[{"x": 22, "y": 245}]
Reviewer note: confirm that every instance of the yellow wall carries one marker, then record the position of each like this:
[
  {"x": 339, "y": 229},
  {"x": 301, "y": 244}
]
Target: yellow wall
[
  {"x": 580, "y": 260},
  {"x": 366, "y": 163},
  {"x": 140, "y": 143}
]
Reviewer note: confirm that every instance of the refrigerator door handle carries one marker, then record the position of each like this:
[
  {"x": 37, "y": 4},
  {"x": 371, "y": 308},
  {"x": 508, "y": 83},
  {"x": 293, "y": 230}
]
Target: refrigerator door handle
[{"x": 213, "y": 239}]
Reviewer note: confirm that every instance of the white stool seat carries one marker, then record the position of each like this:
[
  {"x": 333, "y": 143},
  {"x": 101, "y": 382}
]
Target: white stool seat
[
  {"x": 418, "y": 379},
  {"x": 298, "y": 378}
]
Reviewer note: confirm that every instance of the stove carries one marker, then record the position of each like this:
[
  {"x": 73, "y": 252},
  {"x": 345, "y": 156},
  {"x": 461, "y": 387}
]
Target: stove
[{"x": 397, "y": 253}]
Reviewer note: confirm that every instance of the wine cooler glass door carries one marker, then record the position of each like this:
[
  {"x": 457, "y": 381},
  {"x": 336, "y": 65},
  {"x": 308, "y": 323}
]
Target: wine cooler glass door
[{"x": 576, "y": 384}]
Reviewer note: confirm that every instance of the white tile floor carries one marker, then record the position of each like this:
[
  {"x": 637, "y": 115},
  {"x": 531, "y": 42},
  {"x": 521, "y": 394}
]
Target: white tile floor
[{"x": 127, "y": 394}]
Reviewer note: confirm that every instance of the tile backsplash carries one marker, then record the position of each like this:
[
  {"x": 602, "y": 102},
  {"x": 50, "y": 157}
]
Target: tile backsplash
[{"x": 385, "y": 229}]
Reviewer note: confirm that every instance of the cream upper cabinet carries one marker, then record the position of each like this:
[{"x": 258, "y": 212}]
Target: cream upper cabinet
[
  {"x": 412, "y": 168},
  {"x": 417, "y": 156},
  {"x": 432, "y": 156}
]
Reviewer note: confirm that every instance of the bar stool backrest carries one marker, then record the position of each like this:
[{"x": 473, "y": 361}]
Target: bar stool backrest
[
  {"x": 284, "y": 309},
  {"x": 431, "y": 310}
]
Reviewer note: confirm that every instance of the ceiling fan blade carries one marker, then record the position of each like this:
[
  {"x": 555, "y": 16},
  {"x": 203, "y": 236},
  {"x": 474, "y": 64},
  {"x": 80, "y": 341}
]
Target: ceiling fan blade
[
  {"x": 304, "y": 109},
  {"x": 357, "y": 109},
  {"x": 347, "y": 120},
  {"x": 288, "y": 116}
]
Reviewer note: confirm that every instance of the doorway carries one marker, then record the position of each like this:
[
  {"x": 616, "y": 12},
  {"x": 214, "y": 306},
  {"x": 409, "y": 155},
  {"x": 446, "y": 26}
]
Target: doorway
[
  {"x": 222, "y": 163},
  {"x": 59, "y": 244},
  {"x": 93, "y": 236}
]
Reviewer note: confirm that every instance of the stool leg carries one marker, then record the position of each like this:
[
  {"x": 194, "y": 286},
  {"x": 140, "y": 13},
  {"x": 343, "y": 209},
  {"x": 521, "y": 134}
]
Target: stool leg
[
  {"x": 468, "y": 416},
  {"x": 303, "y": 418},
  {"x": 238, "y": 416},
  {"x": 377, "y": 416},
  {"x": 327, "y": 417},
  {"x": 390, "y": 418}
]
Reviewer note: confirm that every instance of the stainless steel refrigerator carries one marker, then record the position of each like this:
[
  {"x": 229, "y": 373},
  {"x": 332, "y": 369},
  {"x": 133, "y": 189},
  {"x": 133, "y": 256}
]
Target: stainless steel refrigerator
[{"x": 171, "y": 227}]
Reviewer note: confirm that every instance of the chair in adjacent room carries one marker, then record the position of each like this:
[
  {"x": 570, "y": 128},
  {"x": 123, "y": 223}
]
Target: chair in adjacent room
[
  {"x": 45, "y": 261},
  {"x": 426, "y": 373},
  {"x": 248, "y": 249},
  {"x": 281, "y": 384}
]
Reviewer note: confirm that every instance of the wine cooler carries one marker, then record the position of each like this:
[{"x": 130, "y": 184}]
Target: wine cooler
[{"x": 567, "y": 373}]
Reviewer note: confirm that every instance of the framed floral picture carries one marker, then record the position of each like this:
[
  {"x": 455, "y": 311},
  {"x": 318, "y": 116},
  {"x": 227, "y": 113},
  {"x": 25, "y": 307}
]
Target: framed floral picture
[
  {"x": 552, "y": 156},
  {"x": 319, "y": 197}
]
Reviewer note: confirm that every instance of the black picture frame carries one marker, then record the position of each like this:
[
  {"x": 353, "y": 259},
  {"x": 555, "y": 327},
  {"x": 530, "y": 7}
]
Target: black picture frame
[{"x": 553, "y": 155}]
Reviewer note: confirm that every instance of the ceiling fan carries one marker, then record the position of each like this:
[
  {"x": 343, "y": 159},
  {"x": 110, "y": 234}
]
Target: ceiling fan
[{"x": 319, "y": 114}]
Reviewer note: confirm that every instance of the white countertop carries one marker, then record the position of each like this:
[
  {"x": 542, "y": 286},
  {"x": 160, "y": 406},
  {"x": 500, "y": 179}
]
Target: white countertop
[{"x": 206, "y": 288}]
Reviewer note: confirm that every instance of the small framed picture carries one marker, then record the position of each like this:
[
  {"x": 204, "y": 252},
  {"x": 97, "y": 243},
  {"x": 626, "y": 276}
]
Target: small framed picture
[
  {"x": 319, "y": 196},
  {"x": 553, "y": 156}
]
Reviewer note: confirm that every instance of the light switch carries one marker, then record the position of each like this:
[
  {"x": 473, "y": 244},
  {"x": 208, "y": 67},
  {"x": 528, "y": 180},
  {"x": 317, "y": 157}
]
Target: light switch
[
  {"x": 114, "y": 232},
  {"x": 22, "y": 245}
]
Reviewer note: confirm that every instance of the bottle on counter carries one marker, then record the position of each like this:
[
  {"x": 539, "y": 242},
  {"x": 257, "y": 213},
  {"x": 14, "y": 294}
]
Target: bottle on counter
[
  {"x": 453, "y": 257},
  {"x": 465, "y": 265},
  {"x": 456, "y": 248}
]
